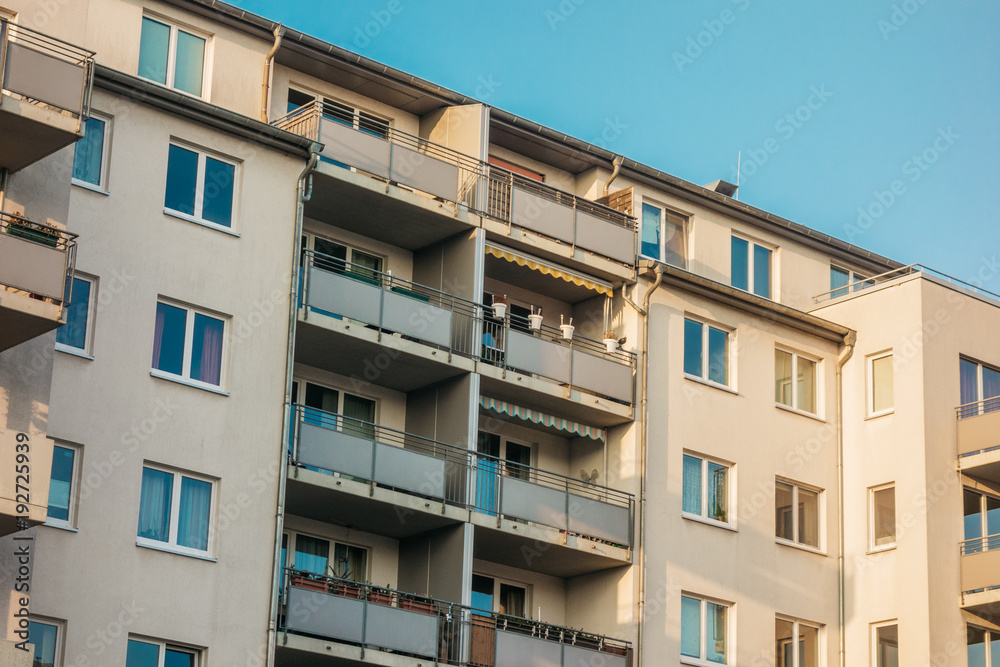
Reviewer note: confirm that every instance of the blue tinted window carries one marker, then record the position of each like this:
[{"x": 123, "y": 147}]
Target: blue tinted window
[
  {"x": 692, "y": 348},
  {"x": 154, "y": 504},
  {"x": 762, "y": 272},
  {"x": 74, "y": 332},
  {"x": 153, "y": 46},
  {"x": 168, "y": 341},
  {"x": 88, "y": 152},
  {"x": 690, "y": 627},
  {"x": 217, "y": 201},
  {"x": 206, "y": 351},
  {"x": 740, "y": 264},
  {"x": 692, "y": 485},
  {"x": 43, "y": 636},
  {"x": 839, "y": 278},
  {"x": 189, "y": 63},
  {"x": 60, "y": 485},
  {"x": 195, "y": 510},
  {"x": 717, "y": 356},
  {"x": 650, "y": 231},
  {"x": 182, "y": 178},
  {"x": 142, "y": 654}
]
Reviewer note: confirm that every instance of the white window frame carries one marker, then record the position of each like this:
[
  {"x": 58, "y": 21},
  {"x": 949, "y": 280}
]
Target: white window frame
[
  {"x": 855, "y": 281},
  {"x": 796, "y": 540},
  {"x": 685, "y": 223},
  {"x": 497, "y": 581},
  {"x": 872, "y": 490},
  {"x": 185, "y": 376},
  {"x": 817, "y": 389},
  {"x": 292, "y": 537},
  {"x": 175, "y": 497},
  {"x": 74, "y": 487},
  {"x": 701, "y": 661},
  {"x": 730, "y": 491},
  {"x": 206, "y": 64},
  {"x": 772, "y": 269},
  {"x": 796, "y": 624},
  {"x": 341, "y": 393},
  {"x": 199, "y": 188},
  {"x": 60, "y": 626},
  {"x": 102, "y": 187},
  {"x": 163, "y": 646},
  {"x": 870, "y": 398},
  {"x": 87, "y": 351},
  {"x": 730, "y": 384},
  {"x": 874, "y": 639}
]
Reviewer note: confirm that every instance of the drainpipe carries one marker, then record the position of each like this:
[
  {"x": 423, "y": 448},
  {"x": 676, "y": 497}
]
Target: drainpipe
[
  {"x": 643, "y": 439},
  {"x": 302, "y": 195},
  {"x": 614, "y": 174},
  {"x": 849, "y": 340},
  {"x": 279, "y": 30}
]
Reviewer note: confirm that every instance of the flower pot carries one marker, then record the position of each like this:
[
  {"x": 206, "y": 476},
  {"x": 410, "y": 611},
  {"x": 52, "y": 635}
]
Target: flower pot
[
  {"x": 535, "y": 321},
  {"x": 380, "y": 597},
  {"x": 499, "y": 310},
  {"x": 610, "y": 345},
  {"x": 567, "y": 331}
]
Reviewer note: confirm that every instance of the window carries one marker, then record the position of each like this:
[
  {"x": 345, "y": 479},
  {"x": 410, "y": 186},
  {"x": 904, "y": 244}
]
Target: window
[
  {"x": 704, "y": 631},
  {"x": 172, "y": 56},
  {"x": 797, "y": 513},
  {"x": 882, "y": 513},
  {"x": 706, "y": 352},
  {"x": 188, "y": 344},
  {"x": 982, "y": 522},
  {"x": 200, "y": 187},
  {"x": 154, "y": 653},
  {"x": 751, "y": 267},
  {"x": 979, "y": 383},
  {"x": 75, "y": 335},
  {"x": 983, "y": 647},
  {"x": 800, "y": 394},
  {"x": 322, "y": 404},
  {"x": 797, "y": 643},
  {"x": 885, "y": 645},
  {"x": 491, "y": 594},
  {"x": 341, "y": 113},
  {"x": 46, "y": 636},
  {"x": 339, "y": 258},
  {"x": 517, "y": 169},
  {"x": 843, "y": 281},
  {"x": 663, "y": 235},
  {"x": 62, "y": 486},
  {"x": 312, "y": 554},
  {"x": 499, "y": 456},
  {"x": 91, "y": 153},
  {"x": 175, "y": 511},
  {"x": 880, "y": 378},
  {"x": 706, "y": 488}
]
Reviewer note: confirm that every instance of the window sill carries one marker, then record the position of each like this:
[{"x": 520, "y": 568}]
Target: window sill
[
  {"x": 701, "y": 663},
  {"x": 166, "y": 548},
  {"x": 802, "y": 547},
  {"x": 709, "y": 383},
  {"x": 796, "y": 411},
  {"x": 880, "y": 414},
  {"x": 75, "y": 351},
  {"x": 89, "y": 186},
  {"x": 709, "y": 522},
  {"x": 203, "y": 223},
  {"x": 61, "y": 526},
  {"x": 203, "y": 98},
  {"x": 189, "y": 383},
  {"x": 881, "y": 550}
]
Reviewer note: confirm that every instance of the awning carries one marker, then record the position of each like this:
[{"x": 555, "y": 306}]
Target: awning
[
  {"x": 541, "y": 418},
  {"x": 522, "y": 259}
]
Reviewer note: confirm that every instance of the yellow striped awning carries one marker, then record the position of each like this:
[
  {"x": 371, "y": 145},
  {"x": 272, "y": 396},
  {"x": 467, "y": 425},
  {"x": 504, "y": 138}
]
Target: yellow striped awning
[
  {"x": 537, "y": 417},
  {"x": 548, "y": 269}
]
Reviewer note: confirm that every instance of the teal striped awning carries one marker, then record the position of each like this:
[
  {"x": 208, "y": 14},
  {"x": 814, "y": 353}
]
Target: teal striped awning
[{"x": 537, "y": 417}]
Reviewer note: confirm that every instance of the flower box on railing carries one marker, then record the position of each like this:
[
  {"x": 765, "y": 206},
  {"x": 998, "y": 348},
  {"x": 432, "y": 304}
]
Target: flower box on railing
[
  {"x": 378, "y": 596},
  {"x": 308, "y": 583},
  {"x": 412, "y": 604},
  {"x": 346, "y": 589}
]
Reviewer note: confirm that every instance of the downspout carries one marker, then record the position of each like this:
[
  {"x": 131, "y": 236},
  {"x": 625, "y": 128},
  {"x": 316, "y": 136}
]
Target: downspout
[
  {"x": 302, "y": 195},
  {"x": 279, "y": 30},
  {"x": 643, "y": 439},
  {"x": 849, "y": 340},
  {"x": 614, "y": 174}
]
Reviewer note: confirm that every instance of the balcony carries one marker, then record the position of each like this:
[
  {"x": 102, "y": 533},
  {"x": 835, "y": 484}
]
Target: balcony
[
  {"x": 45, "y": 85},
  {"x": 35, "y": 263},
  {"x": 981, "y": 572},
  {"x": 366, "y": 622},
  {"x": 979, "y": 438}
]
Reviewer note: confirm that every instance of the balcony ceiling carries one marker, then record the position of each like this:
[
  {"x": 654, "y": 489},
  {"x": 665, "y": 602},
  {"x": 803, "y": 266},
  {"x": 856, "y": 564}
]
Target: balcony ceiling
[
  {"x": 559, "y": 561},
  {"x": 536, "y": 281},
  {"x": 542, "y": 149}
]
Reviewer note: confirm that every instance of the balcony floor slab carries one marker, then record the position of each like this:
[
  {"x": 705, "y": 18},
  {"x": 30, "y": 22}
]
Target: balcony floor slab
[
  {"x": 23, "y": 318},
  {"x": 300, "y": 651},
  {"x": 32, "y": 132},
  {"x": 985, "y": 465}
]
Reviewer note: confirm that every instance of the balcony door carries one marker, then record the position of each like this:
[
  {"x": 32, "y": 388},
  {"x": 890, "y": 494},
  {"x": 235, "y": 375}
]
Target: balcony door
[
  {"x": 335, "y": 409},
  {"x": 982, "y": 522},
  {"x": 500, "y": 457}
]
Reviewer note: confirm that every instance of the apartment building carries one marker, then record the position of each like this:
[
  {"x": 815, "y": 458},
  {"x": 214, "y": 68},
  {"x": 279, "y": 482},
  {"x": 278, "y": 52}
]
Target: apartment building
[{"x": 339, "y": 367}]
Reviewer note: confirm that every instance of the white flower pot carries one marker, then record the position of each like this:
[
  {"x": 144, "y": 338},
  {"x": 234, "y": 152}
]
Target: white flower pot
[
  {"x": 499, "y": 310},
  {"x": 611, "y": 345},
  {"x": 535, "y": 321},
  {"x": 567, "y": 331}
]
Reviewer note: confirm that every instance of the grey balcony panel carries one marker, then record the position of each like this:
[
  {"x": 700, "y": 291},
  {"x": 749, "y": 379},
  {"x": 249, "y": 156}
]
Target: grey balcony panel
[
  {"x": 40, "y": 76},
  {"x": 605, "y": 237},
  {"x": 32, "y": 267},
  {"x": 333, "y": 450},
  {"x": 542, "y": 215},
  {"x": 401, "y": 630},
  {"x": 403, "y": 469},
  {"x": 602, "y": 376},
  {"x": 588, "y": 516},
  {"x": 325, "y": 615},
  {"x": 533, "y": 502},
  {"x": 423, "y": 172},
  {"x": 355, "y": 148},
  {"x": 416, "y": 318},
  {"x": 349, "y": 297},
  {"x": 517, "y": 650},
  {"x": 534, "y": 355},
  {"x": 575, "y": 656}
]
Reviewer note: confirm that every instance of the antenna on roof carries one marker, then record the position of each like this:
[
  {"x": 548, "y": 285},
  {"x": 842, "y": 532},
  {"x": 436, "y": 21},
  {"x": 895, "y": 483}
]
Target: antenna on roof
[{"x": 739, "y": 156}]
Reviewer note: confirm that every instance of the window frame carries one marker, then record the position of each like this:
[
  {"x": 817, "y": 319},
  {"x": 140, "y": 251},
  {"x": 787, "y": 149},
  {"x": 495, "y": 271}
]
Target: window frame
[
  {"x": 772, "y": 268},
  {"x": 299, "y": 389},
  {"x": 872, "y": 514},
  {"x": 870, "y": 393},
  {"x": 60, "y": 626},
  {"x": 796, "y": 624},
  {"x": 171, "y": 544},
  {"x": 292, "y": 536},
  {"x": 817, "y": 388},
  {"x": 980, "y": 388},
  {"x": 87, "y": 351},
  {"x": 730, "y": 384},
  {"x": 875, "y": 655},
  {"x": 796, "y": 540},
  {"x": 730, "y": 638},
  {"x": 163, "y": 646},
  {"x": 199, "y": 188},
  {"x": 206, "y": 64},
  {"x": 499, "y": 581},
  {"x": 990, "y": 637},
  {"x": 730, "y": 523},
  {"x": 185, "y": 376},
  {"x": 683, "y": 221},
  {"x": 74, "y": 488},
  {"x": 102, "y": 186},
  {"x": 855, "y": 282}
]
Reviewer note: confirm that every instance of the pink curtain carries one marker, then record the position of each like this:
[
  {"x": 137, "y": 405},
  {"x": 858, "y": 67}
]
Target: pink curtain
[
  {"x": 158, "y": 336},
  {"x": 211, "y": 354}
]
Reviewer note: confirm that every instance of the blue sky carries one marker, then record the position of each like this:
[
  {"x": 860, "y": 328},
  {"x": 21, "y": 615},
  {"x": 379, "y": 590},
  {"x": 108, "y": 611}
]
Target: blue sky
[{"x": 876, "y": 122}]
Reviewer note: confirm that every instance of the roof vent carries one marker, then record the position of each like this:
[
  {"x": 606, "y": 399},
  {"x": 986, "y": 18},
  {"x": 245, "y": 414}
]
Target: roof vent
[{"x": 722, "y": 187}]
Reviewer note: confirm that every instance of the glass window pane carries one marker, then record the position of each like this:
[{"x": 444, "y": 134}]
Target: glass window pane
[
  {"x": 693, "y": 348},
  {"x": 718, "y": 356},
  {"x": 371, "y": 125},
  {"x": 969, "y": 381},
  {"x": 154, "y": 504},
  {"x": 692, "y": 485},
  {"x": 87, "y": 152},
  {"x": 74, "y": 332},
  {"x": 690, "y": 627},
  {"x": 995, "y": 648},
  {"x": 168, "y": 339},
  {"x": 311, "y": 554},
  {"x": 740, "y": 264},
  {"x": 991, "y": 385},
  {"x": 359, "y": 416},
  {"x": 887, "y": 646},
  {"x": 650, "y": 242},
  {"x": 142, "y": 654},
  {"x": 206, "y": 349},
  {"x": 365, "y": 265},
  {"x": 882, "y": 383},
  {"x": 762, "y": 272},
  {"x": 973, "y": 505},
  {"x": 511, "y": 600},
  {"x": 182, "y": 177},
  {"x": 60, "y": 486},
  {"x": 976, "y": 643},
  {"x": 674, "y": 246},
  {"x": 884, "y": 519},
  {"x": 350, "y": 562},
  {"x": 175, "y": 658},
  {"x": 839, "y": 278},
  {"x": 195, "y": 512},
  {"x": 782, "y": 377},
  {"x": 217, "y": 202},
  {"x": 783, "y": 511},
  {"x": 189, "y": 63},
  {"x": 715, "y": 632},
  {"x": 808, "y": 646},
  {"x": 153, "y": 45},
  {"x": 784, "y": 645},
  {"x": 808, "y": 517},
  {"x": 482, "y": 592},
  {"x": 43, "y": 636},
  {"x": 993, "y": 517},
  {"x": 298, "y": 99},
  {"x": 806, "y": 384},
  {"x": 718, "y": 492}
]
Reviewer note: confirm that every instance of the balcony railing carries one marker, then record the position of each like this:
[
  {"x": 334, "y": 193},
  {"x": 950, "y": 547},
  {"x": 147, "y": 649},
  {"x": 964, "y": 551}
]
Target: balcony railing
[
  {"x": 35, "y": 258},
  {"x": 980, "y": 544},
  {"x": 977, "y": 408},
  {"x": 372, "y": 617},
  {"x": 899, "y": 273},
  {"x": 45, "y": 71},
  {"x": 426, "y": 468},
  {"x": 980, "y": 563}
]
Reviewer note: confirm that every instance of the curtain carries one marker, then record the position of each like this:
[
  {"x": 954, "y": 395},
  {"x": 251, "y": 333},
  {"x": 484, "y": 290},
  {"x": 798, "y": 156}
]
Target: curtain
[
  {"x": 351, "y": 563},
  {"x": 154, "y": 504},
  {"x": 969, "y": 381},
  {"x": 718, "y": 501},
  {"x": 359, "y": 415},
  {"x": 692, "y": 485},
  {"x": 311, "y": 554},
  {"x": 991, "y": 388},
  {"x": 195, "y": 511},
  {"x": 487, "y": 476},
  {"x": 206, "y": 357}
]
